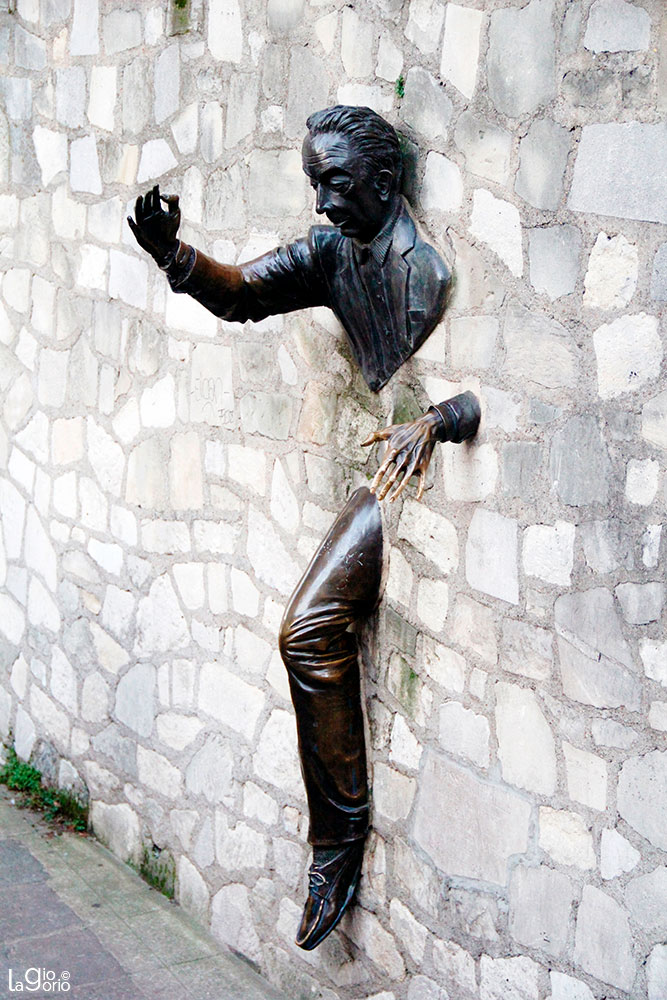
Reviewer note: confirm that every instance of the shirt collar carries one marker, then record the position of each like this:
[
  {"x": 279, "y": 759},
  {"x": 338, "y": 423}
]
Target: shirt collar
[{"x": 379, "y": 247}]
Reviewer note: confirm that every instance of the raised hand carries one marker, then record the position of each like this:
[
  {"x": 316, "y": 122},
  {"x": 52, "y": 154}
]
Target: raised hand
[
  {"x": 409, "y": 450},
  {"x": 154, "y": 229}
]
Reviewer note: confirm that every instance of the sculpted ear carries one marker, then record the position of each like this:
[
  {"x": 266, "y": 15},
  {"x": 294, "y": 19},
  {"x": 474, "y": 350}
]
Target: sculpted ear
[{"x": 383, "y": 183}]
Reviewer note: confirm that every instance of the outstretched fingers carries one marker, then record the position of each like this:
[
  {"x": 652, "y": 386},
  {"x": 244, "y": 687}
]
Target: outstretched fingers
[
  {"x": 409, "y": 473},
  {"x": 381, "y": 435},
  {"x": 171, "y": 201}
]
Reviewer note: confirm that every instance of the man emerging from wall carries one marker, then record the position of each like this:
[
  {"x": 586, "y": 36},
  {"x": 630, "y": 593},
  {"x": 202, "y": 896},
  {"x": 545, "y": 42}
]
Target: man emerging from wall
[{"x": 387, "y": 287}]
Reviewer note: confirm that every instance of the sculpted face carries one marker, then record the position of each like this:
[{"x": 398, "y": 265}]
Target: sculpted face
[{"x": 356, "y": 203}]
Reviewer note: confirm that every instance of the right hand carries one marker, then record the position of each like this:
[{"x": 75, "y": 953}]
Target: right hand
[{"x": 154, "y": 229}]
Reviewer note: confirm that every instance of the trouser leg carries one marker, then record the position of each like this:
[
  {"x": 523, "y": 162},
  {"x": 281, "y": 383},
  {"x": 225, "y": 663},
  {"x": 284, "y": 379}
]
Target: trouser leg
[{"x": 340, "y": 587}]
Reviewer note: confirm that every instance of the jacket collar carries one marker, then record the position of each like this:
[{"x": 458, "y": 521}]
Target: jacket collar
[{"x": 398, "y": 230}]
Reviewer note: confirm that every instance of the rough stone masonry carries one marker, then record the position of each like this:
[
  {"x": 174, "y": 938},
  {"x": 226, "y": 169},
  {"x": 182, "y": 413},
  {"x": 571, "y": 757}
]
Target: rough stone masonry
[{"x": 152, "y": 456}]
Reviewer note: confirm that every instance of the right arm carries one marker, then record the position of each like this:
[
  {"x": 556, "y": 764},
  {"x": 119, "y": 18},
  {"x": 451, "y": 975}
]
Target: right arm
[{"x": 283, "y": 280}]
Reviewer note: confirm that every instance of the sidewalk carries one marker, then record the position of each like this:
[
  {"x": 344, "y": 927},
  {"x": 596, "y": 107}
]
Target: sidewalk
[{"x": 72, "y": 916}]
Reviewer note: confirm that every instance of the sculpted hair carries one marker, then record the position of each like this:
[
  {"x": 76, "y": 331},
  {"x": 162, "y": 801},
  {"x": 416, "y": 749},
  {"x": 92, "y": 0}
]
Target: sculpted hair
[{"x": 373, "y": 137}]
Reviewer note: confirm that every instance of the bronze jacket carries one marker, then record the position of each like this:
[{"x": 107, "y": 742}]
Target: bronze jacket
[{"x": 388, "y": 295}]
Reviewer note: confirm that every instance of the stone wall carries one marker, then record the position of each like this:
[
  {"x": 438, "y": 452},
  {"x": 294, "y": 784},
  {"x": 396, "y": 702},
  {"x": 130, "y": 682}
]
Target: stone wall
[{"x": 166, "y": 477}]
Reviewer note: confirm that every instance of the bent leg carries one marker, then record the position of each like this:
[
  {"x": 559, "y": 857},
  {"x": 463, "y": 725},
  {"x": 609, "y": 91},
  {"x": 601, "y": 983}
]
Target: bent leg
[{"x": 340, "y": 587}]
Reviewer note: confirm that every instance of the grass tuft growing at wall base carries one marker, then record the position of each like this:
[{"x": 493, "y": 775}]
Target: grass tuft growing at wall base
[{"x": 57, "y": 804}]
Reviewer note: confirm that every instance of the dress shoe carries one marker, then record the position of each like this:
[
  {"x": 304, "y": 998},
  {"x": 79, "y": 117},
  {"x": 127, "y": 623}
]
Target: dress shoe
[{"x": 332, "y": 879}]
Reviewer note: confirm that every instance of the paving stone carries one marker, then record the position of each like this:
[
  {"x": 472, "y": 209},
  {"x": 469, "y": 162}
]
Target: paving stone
[
  {"x": 603, "y": 945},
  {"x": 579, "y": 463},
  {"x": 614, "y": 175},
  {"x": 76, "y": 951},
  {"x": 426, "y": 106},
  {"x": 18, "y": 866},
  {"x": 616, "y": 26},
  {"x": 486, "y": 146},
  {"x": 521, "y": 59},
  {"x": 543, "y": 156},
  {"x": 554, "y": 254},
  {"x": 443, "y": 831},
  {"x": 642, "y": 795},
  {"x": 541, "y": 902}
]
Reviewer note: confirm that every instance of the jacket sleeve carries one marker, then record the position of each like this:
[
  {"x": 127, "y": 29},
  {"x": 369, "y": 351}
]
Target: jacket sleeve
[{"x": 280, "y": 281}]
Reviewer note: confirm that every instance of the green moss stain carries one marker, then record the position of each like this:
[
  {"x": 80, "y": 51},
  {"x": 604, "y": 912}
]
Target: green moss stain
[
  {"x": 399, "y": 86},
  {"x": 158, "y": 868}
]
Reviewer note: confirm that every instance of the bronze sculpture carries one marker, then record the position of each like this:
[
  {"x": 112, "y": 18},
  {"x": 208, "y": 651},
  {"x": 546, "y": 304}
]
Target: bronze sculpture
[{"x": 388, "y": 288}]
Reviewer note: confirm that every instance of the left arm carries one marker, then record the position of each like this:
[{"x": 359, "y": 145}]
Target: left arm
[{"x": 410, "y": 446}]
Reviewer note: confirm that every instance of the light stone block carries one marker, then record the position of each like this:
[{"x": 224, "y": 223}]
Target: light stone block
[
  {"x": 405, "y": 749},
  {"x": 70, "y": 96},
  {"x": 543, "y": 158},
  {"x": 526, "y": 745},
  {"x": 158, "y": 405},
  {"x": 185, "y": 472},
  {"x": 84, "y": 37},
  {"x": 238, "y": 848},
  {"x": 210, "y": 772},
  {"x": 275, "y": 759},
  {"x": 611, "y": 276},
  {"x": 95, "y": 698},
  {"x": 586, "y": 777},
  {"x": 491, "y": 555},
  {"x": 654, "y": 420},
  {"x": 452, "y": 801},
  {"x": 616, "y": 26},
  {"x": 363, "y": 95},
  {"x": 393, "y": 793},
  {"x": 594, "y": 679},
  {"x": 53, "y": 721},
  {"x": 190, "y": 582},
  {"x": 390, "y": 59},
  {"x": 325, "y": 29},
  {"x": 442, "y": 186},
  {"x": 408, "y": 930},
  {"x": 121, "y": 30},
  {"x": 117, "y": 826},
  {"x": 399, "y": 580},
  {"x": 368, "y": 934},
  {"x": 521, "y": 58},
  {"x": 642, "y": 603},
  {"x": 548, "y": 552},
  {"x": 232, "y": 921},
  {"x": 496, "y": 222},
  {"x": 102, "y": 98},
  {"x": 656, "y": 972},
  {"x": 229, "y": 699},
  {"x": 167, "y": 81},
  {"x": 193, "y": 894},
  {"x": 541, "y": 902},
  {"x": 185, "y": 129},
  {"x": 614, "y": 171},
  {"x": 51, "y": 151},
  {"x": 427, "y": 108},
  {"x": 473, "y": 341},
  {"x": 617, "y": 855},
  {"x": 554, "y": 253},
  {"x": 470, "y": 473},
  {"x": 628, "y": 352},
  {"x": 24, "y": 734},
  {"x": 591, "y": 617},
  {"x": 464, "y": 733},
  {"x": 282, "y": 573},
  {"x": 433, "y": 603},
  {"x": 646, "y": 897},
  {"x": 460, "y": 50},
  {"x": 603, "y": 946},
  {"x": 225, "y": 33},
  {"x": 160, "y": 622},
  {"x": 431, "y": 534},
  {"x": 158, "y": 774},
  {"x": 567, "y": 988},
  {"x": 52, "y": 383},
  {"x": 645, "y": 812},
  {"x": 284, "y": 505},
  {"x": 425, "y": 18},
  {"x": 356, "y": 44},
  {"x": 509, "y": 978},
  {"x": 215, "y": 537},
  {"x": 84, "y": 174},
  {"x": 156, "y": 159},
  {"x": 445, "y": 666},
  {"x": 641, "y": 481}
]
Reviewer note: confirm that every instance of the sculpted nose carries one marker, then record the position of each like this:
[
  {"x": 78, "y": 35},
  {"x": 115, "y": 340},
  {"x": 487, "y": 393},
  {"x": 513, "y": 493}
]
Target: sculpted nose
[{"x": 322, "y": 201}]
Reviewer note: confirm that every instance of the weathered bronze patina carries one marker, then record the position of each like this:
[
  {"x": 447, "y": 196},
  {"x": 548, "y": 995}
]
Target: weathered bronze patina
[{"x": 388, "y": 289}]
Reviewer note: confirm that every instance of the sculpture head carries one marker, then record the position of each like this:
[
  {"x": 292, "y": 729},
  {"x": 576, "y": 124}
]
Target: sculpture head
[{"x": 353, "y": 160}]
